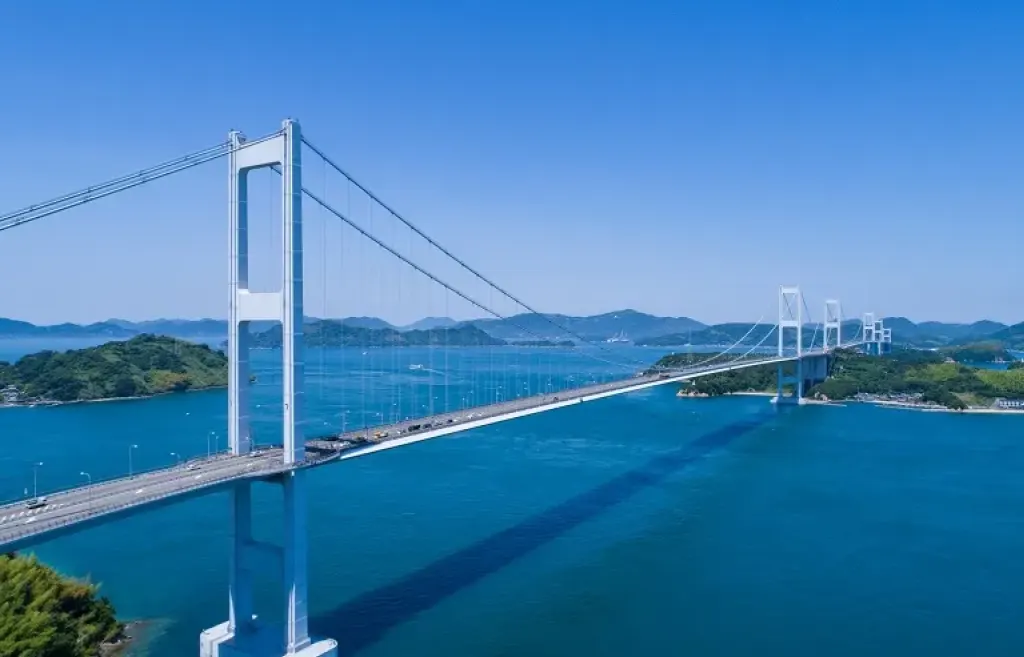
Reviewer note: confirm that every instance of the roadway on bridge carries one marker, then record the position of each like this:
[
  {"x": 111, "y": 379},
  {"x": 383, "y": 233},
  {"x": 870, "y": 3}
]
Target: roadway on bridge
[
  {"x": 369, "y": 440},
  {"x": 19, "y": 524},
  {"x": 64, "y": 510}
]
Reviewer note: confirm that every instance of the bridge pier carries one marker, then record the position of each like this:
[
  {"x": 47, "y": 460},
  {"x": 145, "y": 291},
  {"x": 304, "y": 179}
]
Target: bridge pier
[{"x": 242, "y": 635}]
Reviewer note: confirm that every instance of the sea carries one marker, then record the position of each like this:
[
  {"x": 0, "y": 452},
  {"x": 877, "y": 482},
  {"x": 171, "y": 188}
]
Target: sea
[{"x": 643, "y": 524}]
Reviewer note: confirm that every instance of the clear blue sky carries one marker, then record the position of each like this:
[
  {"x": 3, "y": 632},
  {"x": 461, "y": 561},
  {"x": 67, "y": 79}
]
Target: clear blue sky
[{"x": 676, "y": 158}]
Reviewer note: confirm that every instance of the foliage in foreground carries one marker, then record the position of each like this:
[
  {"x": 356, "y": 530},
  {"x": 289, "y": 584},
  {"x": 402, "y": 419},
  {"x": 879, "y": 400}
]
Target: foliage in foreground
[
  {"x": 45, "y": 615},
  {"x": 144, "y": 365}
]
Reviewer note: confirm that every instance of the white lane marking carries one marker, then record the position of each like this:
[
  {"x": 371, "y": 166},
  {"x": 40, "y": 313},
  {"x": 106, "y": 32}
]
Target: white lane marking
[{"x": 139, "y": 492}]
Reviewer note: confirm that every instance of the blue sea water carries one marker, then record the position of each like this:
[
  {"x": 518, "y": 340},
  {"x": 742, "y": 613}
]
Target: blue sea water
[{"x": 643, "y": 524}]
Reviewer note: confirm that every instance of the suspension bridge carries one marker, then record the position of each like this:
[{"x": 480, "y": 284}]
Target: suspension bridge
[{"x": 800, "y": 363}]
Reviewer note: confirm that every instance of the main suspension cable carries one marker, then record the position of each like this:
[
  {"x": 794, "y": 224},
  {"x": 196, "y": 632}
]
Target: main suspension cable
[{"x": 444, "y": 250}]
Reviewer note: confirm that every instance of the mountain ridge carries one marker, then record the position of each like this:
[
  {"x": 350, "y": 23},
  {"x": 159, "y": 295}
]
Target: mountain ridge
[{"x": 642, "y": 328}]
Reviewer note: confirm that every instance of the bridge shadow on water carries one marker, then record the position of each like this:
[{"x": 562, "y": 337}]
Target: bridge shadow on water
[{"x": 365, "y": 619}]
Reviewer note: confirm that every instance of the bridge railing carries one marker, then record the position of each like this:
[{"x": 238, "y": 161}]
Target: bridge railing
[
  {"x": 97, "y": 483},
  {"x": 32, "y": 527}
]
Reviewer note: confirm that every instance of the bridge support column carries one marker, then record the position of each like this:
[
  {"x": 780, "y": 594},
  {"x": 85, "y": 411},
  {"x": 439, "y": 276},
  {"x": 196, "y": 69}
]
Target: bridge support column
[
  {"x": 241, "y": 635},
  {"x": 815, "y": 370},
  {"x": 790, "y": 317}
]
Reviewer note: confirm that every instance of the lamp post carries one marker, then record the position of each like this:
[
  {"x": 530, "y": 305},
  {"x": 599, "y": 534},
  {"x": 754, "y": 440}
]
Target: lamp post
[
  {"x": 177, "y": 458},
  {"x": 35, "y": 478},
  {"x": 130, "y": 448},
  {"x": 87, "y": 476}
]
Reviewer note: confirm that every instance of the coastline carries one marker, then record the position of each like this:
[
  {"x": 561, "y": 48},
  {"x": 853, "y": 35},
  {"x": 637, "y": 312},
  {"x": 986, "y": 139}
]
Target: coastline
[
  {"x": 52, "y": 404},
  {"x": 878, "y": 402}
]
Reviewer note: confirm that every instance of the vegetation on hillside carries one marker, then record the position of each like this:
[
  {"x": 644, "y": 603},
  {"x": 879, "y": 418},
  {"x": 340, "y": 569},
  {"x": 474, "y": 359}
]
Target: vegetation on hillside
[
  {"x": 330, "y": 333},
  {"x": 43, "y": 614},
  {"x": 978, "y": 352},
  {"x": 921, "y": 376},
  {"x": 144, "y": 365},
  {"x": 1012, "y": 337}
]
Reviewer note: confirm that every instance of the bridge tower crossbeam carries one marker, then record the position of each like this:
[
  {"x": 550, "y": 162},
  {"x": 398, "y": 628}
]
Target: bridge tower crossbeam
[
  {"x": 833, "y": 324},
  {"x": 790, "y": 317},
  {"x": 241, "y": 635}
]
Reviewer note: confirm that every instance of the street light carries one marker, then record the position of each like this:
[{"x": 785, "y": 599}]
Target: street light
[
  {"x": 87, "y": 476},
  {"x": 35, "y": 478},
  {"x": 130, "y": 448},
  {"x": 177, "y": 457}
]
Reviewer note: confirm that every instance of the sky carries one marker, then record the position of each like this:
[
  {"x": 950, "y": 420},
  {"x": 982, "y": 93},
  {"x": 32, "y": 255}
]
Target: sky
[{"x": 675, "y": 158}]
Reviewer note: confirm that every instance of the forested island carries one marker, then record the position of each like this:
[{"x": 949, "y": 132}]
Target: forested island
[
  {"x": 43, "y": 614},
  {"x": 979, "y": 352},
  {"x": 142, "y": 366},
  {"x": 330, "y": 333},
  {"x": 909, "y": 376}
]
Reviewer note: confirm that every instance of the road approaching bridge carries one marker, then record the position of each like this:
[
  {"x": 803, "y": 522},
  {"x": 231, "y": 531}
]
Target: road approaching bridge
[{"x": 75, "y": 508}]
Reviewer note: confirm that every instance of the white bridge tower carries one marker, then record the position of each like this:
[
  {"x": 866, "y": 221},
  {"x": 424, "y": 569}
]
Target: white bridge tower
[
  {"x": 833, "y": 324},
  {"x": 241, "y": 635},
  {"x": 791, "y": 303}
]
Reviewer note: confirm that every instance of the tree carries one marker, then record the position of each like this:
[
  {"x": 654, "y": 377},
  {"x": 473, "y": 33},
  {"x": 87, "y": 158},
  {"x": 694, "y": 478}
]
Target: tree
[{"x": 45, "y": 615}]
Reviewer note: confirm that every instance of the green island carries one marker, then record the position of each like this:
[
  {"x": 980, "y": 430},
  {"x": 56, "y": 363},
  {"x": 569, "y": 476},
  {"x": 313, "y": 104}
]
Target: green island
[
  {"x": 979, "y": 352},
  {"x": 331, "y": 333},
  {"x": 143, "y": 366},
  {"x": 909, "y": 377},
  {"x": 43, "y": 614}
]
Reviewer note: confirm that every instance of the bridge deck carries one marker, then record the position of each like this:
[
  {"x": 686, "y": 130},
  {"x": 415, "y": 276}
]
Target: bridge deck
[
  {"x": 98, "y": 502},
  {"x": 76, "y": 508},
  {"x": 368, "y": 440}
]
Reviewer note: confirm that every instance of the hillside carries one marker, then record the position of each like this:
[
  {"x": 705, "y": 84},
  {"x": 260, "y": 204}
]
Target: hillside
[
  {"x": 911, "y": 376},
  {"x": 989, "y": 351},
  {"x": 144, "y": 365},
  {"x": 931, "y": 334},
  {"x": 15, "y": 328},
  {"x": 1011, "y": 337},
  {"x": 331, "y": 333},
  {"x": 45, "y": 615},
  {"x": 528, "y": 326},
  {"x": 428, "y": 323},
  {"x": 728, "y": 334}
]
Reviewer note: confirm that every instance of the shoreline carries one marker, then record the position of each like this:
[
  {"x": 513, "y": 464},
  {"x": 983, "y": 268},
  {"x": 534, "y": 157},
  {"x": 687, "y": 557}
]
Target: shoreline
[
  {"x": 879, "y": 402},
  {"x": 55, "y": 404}
]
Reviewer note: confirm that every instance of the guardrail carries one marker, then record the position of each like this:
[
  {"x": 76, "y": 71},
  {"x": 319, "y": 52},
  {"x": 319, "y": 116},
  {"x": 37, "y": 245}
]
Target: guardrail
[
  {"x": 57, "y": 492},
  {"x": 30, "y": 527},
  {"x": 33, "y": 527}
]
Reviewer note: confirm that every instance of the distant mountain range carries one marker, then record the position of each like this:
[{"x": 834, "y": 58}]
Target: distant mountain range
[
  {"x": 628, "y": 323},
  {"x": 641, "y": 328},
  {"x": 330, "y": 333}
]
